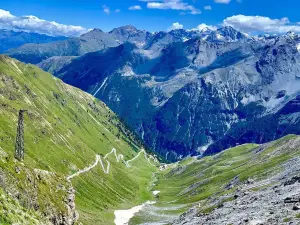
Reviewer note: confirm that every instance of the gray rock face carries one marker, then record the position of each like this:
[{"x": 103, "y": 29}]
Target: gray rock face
[
  {"x": 72, "y": 215},
  {"x": 197, "y": 96},
  {"x": 130, "y": 34}
]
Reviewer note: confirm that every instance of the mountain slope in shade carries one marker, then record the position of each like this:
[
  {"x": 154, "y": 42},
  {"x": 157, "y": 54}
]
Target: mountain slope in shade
[
  {"x": 55, "y": 63},
  {"x": 13, "y": 39},
  {"x": 197, "y": 95}
]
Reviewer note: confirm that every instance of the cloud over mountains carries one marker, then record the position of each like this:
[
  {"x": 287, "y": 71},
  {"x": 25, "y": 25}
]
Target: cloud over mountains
[
  {"x": 245, "y": 23},
  {"x": 250, "y": 24},
  {"x": 34, "y": 24}
]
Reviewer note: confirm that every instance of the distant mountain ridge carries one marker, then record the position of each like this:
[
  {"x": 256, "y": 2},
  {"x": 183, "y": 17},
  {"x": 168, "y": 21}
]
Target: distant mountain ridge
[
  {"x": 96, "y": 40},
  {"x": 13, "y": 39}
]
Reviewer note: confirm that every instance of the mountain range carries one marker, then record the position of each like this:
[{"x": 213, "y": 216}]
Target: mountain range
[
  {"x": 185, "y": 92},
  {"x": 97, "y": 40}
]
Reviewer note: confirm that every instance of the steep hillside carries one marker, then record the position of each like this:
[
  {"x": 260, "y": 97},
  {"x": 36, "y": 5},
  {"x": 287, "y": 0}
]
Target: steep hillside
[
  {"x": 67, "y": 171},
  {"x": 248, "y": 184},
  {"x": 198, "y": 95}
]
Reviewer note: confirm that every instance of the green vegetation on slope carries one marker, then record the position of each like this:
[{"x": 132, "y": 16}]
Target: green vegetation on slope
[
  {"x": 64, "y": 130},
  {"x": 211, "y": 181},
  {"x": 199, "y": 179}
]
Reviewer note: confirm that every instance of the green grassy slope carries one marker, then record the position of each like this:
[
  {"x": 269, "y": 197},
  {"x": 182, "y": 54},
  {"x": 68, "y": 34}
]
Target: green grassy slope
[
  {"x": 64, "y": 130},
  {"x": 197, "y": 181}
]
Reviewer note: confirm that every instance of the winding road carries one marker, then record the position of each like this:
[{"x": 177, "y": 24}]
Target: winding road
[
  {"x": 98, "y": 157},
  {"x": 119, "y": 157}
]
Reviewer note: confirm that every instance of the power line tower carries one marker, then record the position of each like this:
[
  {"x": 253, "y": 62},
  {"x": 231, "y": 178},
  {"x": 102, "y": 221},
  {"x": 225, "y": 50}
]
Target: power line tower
[{"x": 19, "y": 145}]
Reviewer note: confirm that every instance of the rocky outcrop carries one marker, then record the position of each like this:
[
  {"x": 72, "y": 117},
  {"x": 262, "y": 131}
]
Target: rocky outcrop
[{"x": 31, "y": 191}]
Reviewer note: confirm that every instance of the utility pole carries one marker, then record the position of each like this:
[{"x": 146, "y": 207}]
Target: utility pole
[{"x": 19, "y": 145}]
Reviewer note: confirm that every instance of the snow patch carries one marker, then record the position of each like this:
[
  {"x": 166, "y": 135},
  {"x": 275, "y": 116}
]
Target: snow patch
[
  {"x": 155, "y": 192},
  {"x": 247, "y": 99},
  {"x": 185, "y": 39},
  {"x": 127, "y": 71},
  {"x": 101, "y": 86},
  {"x": 203, "y": 148},
  {"x": 219, "y": 37},
  {"x": 298, "y": 47},
  {"x": 122, "y": 217}
]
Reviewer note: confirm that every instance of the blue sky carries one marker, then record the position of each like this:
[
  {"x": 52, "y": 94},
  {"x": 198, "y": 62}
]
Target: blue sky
[{"x": 154, "y": 15}]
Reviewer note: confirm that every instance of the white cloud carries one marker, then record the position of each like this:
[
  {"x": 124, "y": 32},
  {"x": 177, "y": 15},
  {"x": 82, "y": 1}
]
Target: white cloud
[
  {"x": 202, "y": 26},
  {"x": 251, "y": 24},
  {"x": 106, "y": 9},
  {"x": 174, "y": 5},
  {"x": 117, "y": 10},
  {"x": 208, "y": 7},
  {"x": 175, "y": 26},
  {"x": 135, "y": 7},
  {"x": 223, "y": 1},
  {"x": 34, "y": 24}
]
